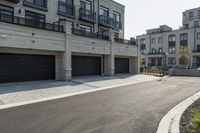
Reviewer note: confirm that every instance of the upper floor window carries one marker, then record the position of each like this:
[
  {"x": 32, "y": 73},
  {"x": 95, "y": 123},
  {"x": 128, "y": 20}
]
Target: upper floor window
[
  {"x": 41, "y": 3},
  {"x": 196, "y": 23},
  {"x": 191, "y": 14},
  {"x": 198, "y": 35},
  {"x": 86, "y": 4},
  {"x": 66, "y": 8},
  {"x": 198, "y": 48},
  {"x": 160, "y": 40},
  {"x": 172, "y": 38},
  {"x": 153, "y": 40},
  {"x": 85, "y": 28},
  {"x": 184, "y": 37},
  {"x": 198, "y": 12},
  {"x": 160, "y": 50},
  {"x": 184, "y": 17},
  {"x": 116, "y": 16},
  {"x": 103, "y": 11},
  {"x": 143, "y": 41}
]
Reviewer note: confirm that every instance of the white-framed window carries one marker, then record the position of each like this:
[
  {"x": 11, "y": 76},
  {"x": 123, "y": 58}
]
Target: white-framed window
[
  {"x": 160, "y": 40},
  {"x": 191, "y": 15},
  {"x": 198, "y": 35},
  {"x": 153, "y": 40}
]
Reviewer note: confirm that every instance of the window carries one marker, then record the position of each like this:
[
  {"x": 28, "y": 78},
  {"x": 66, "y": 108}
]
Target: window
[
  {"x": 153, "y": 40},
  {"x": 103, "y": 11},
  {"x": 172, "y": 38},
  {"x": 86, "y": 4},
  {"x": 190, "y": 15},
  {"x": 160, "y": 50},
  {"x": 143, "y": 41},
  {"x": 160, "y": 40},
  {"x": 184, "y": 37},
  {"x": 184, "y": 17},
  {"x": 85, "y": 28},
  {"x": 198, "y": 48},
  {"x": 41, "y": 3},
  {"x": 116, "y": 17},
  {"x": 198, "y": 35},
  {"x": 6, "y": 13},
  {"x": 66, "y": 8},
  {"x": 196, "y": 23},
  {"x": 35, "y": 19},
  {"x": 153, "y": 50},
  {"x": 172, "y": 50},
  {"x": 172, "y": 61},
  {"x": 116, "y": 35},
  {"x": 199, "y": 13}
]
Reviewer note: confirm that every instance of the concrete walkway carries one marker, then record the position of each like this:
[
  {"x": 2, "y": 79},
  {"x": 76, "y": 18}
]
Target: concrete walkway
[{"x": 27, "y": 91}]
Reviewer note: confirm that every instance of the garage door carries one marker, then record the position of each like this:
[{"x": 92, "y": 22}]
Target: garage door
[
  {"x": 21, "y": 67},
  {"x": 121, "y": 65},
  {"x": 86, "y": 66}
]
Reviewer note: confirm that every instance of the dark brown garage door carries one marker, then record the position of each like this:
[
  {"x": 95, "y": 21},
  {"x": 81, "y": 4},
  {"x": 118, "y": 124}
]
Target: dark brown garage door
[
  {"x": 21, "y": 67},
  {"x": 86, "y": 66},
  {"x": 121, "y": 65}
]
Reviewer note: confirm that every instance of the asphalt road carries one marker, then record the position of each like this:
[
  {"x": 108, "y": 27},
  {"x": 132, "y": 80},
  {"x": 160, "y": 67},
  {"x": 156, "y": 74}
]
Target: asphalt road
[{"x": 135, "y": 108}]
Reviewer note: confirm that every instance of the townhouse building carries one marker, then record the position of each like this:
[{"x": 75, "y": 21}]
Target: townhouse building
[
  {"x": 62, "y": 39},
  {"x": 165, "y": 47}
]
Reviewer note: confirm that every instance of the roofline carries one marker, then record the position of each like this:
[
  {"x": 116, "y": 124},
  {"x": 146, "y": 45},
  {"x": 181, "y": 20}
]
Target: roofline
[{"x": 119, "y": 3}]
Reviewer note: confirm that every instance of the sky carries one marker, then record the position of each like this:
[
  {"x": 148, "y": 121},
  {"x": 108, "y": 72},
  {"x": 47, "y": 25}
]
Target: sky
[{"x": 141, "y": 15}]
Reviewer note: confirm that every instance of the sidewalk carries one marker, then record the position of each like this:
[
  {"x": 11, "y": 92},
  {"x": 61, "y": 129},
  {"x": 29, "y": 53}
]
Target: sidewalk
[{"x": 27, "y": 91}]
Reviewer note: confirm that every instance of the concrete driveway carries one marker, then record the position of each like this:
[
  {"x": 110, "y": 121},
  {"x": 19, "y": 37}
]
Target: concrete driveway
[{"x": 135, "y": 108}]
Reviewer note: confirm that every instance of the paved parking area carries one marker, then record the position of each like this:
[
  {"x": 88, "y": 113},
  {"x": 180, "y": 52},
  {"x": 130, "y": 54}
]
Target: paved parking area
[
  {"x": 135, "y": 108},
  {"x": 20, "y": 92}
]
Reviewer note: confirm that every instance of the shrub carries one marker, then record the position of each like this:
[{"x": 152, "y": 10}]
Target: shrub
[{"x": 195, "y": 122}]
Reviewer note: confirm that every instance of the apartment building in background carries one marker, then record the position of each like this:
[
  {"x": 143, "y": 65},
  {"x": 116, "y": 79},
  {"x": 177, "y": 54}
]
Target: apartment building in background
[
  {"x": 165, "y": 47},
  {"x": 61, "y": 39}
]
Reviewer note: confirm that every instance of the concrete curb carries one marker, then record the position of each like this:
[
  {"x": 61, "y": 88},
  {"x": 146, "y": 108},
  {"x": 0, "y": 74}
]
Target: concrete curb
[
  {"x": 63, "y": 96},
  {"x": 170, "y": 122}
]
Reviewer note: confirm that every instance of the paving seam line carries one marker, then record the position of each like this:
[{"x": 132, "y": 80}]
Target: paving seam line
[
  {"x": 65, "y": 95},
  {"x": 170, "y": 121}
]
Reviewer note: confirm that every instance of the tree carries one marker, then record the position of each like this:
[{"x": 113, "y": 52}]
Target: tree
[{"x": 184, "y": 55}]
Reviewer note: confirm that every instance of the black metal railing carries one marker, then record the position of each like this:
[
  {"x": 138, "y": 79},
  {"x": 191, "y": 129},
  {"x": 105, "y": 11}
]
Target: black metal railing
[
  {"x": 125, "y": 41},
  {"x": 30, "y": 23},
  {"x": 89, "y": 34},
  {"x": 15, "y": 1},
  {"x": 117, "y": 24},
  {"x": 105, "y": 20},
  {"x": 156, "y": 53},
  {"x": 87, "y": 15},
  {"x": 66, "y": 9}
]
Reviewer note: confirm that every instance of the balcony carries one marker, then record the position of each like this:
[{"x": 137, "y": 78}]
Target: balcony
[
  {"x": 36, "y": 6},
  {"x": 66, "y": 10},
  {"x": 105, "y": 21},
  {"x": 90, "y": 34},
  {"x": 87, "y": 15},
  {"x": 30, "y": 23},
  {"x": 124, "y": 41},
  {"x": 117, "y": 25},
  {"x": 14, "y": 1}
]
